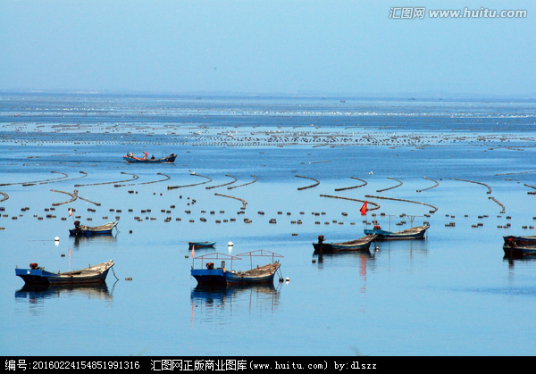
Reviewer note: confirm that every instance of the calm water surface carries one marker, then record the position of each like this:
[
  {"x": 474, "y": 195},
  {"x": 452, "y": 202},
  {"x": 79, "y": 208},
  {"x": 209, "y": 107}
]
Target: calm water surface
[{"x": 452, "y": 294}]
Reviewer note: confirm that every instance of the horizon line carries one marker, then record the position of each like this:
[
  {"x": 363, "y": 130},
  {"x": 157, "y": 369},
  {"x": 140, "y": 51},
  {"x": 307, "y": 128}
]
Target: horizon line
[{"x": 311, "y": 94}]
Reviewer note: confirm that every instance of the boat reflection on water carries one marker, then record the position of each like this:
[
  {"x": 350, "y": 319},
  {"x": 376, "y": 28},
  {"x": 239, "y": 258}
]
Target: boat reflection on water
[
  {"x": 512, "y": 258},
  {"x": 363, "y": 260},
  {"x": 414, "y": 247},
  {"x": 81, "y": 241},
  {"x": 209, "y": 299},
  {"x": 35, "y": 293}
]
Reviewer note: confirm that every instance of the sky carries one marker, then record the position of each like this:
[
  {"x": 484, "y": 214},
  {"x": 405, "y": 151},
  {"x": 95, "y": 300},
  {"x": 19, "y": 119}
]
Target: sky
[{"x": 316, "y": 47}]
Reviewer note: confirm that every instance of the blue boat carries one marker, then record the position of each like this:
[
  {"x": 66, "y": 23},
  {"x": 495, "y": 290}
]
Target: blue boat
[
  {"x": 209, "y": 274},
  {"x": 201, "y": 244},
  {"x": 38, "y": 275},
  {"x": 130, "y": 158},
  {"x": 81, "y": 230},
  {"x": 408, "y": 234},
  {"x": 361, "y": 244}
]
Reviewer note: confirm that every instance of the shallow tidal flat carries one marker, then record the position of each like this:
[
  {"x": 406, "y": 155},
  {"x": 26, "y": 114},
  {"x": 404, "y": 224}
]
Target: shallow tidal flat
[
  {"x": 32, "y": 167},
  {"x": 108, "y": 184}
]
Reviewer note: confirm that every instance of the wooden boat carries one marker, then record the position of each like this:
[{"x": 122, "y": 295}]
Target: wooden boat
[
  {"x": 201, "y": 244},
  {"x": 408, "y": 234},
  {"x": 38, "y": 275},
  {"x": 130, "y": 158},
  {"x": 520, "y": 240},
  {"x": 255, "y": 275},
  {"x": 81, "y": 230},
  {"x": 361, "y": 244},
  {"x": 209, "y": 274},
  {"x": 260, "y": 274}
]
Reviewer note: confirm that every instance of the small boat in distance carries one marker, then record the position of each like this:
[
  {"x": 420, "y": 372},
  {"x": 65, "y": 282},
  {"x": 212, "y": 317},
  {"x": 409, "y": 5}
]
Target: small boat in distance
[
  {"x": 361, "y": 244},
  {"x": 81, "y": 230},
  {"x": 408, "y": 234},
  {"x": 38, "y": 275},
  {"x": 201, "y": 244},
  {"x": 130, "y": 158}
]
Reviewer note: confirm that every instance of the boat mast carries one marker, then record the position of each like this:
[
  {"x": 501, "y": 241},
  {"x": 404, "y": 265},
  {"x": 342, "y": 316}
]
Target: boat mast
[
  {"x": 411, "y": 218},
  {"x": 390, "y": 215}
]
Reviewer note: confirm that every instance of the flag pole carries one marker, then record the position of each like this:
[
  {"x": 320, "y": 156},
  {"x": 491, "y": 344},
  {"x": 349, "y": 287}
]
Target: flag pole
[
  {"x": 71, "y": 213},
  {"x": 364, "y": 212}
]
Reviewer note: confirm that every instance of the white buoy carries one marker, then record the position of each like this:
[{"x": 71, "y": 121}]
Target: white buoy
[
  {"x": 230, "y": 244},
  {"x": 57, "y": 239},
  {"x": 370, "y": 173}
]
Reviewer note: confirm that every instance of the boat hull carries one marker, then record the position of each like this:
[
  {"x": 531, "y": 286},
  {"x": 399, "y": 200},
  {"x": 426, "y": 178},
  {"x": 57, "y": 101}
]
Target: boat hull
[
  {"x": 237, "y": 279},
  {"x": 74, "y": 232},
  {"x": 520, "y": 240},
  {"x": 132, "y": 160},
  {"x": 97, "y": 230},
  {"x": 210, "y": 276},
  {"x": 85, "y": 276},
  {"x": 401, "y": 235},
  {"x": 251, "y": 278},
  {"x": 517, "y": 250},
  {"x": 201, "y": 244},
  {"x": 346, "y": 246}
]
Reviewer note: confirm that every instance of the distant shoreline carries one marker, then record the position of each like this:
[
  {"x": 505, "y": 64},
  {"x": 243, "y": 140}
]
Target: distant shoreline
[{"x": 284, "y": 95}]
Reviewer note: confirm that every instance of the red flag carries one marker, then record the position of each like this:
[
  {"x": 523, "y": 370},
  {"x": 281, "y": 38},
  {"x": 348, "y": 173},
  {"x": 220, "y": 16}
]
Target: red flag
[
  {"x": 193, "y": 247},
  {"x": 70, "y": 212},
  {"x": 363, "y": 209}
]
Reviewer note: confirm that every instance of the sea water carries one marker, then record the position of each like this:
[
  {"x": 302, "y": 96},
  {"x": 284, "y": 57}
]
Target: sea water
[{"x": 454, "y": 293}]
